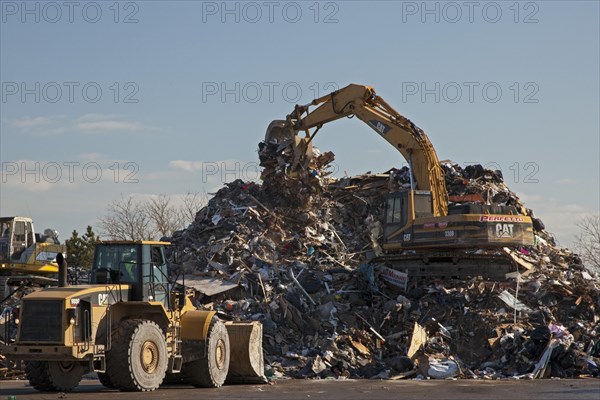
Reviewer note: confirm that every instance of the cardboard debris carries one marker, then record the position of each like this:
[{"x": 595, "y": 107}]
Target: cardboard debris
[
  {"x": 210, "y": 286},
  {"x": 418, "y": 340},
  {"x": 513, "y": 255}
]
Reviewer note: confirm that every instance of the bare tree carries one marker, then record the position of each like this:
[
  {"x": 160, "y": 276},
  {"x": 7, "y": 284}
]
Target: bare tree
[
  {"x": 191, "y": 203},
  {"x": 163, "y": 214},
  {"x": 147, "y": 219},
  {"x": 587, "y": 241},
  {"x": 127, "y": 219}
]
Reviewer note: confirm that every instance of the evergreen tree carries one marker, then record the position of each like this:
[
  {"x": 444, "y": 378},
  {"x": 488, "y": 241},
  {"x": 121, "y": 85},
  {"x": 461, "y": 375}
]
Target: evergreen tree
[{"x": 80, "y": 249}]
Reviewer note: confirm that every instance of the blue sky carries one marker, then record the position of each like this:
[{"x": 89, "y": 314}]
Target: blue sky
[{"x": 102, "y": 98}]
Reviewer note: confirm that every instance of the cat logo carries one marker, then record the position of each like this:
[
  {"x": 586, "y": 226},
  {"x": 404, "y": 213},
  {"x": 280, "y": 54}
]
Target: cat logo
[
  {"x": 504, "y": 230},
  {"x": 102, "y": 299},
  {"x": 380, "y": 127}
]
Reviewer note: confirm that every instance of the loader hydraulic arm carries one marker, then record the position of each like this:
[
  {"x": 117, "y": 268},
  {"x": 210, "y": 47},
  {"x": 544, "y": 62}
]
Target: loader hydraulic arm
[{"x": 399, "y": 131}]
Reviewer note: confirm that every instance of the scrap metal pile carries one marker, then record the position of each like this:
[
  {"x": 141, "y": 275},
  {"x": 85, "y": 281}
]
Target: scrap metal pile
[{"x": 291, "y": 253}]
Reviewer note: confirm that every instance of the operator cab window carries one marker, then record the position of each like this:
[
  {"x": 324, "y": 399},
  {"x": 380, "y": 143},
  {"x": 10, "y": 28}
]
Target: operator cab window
[
  {"x": 116, "y": 264},
  {"x": 396, "y": 210},
  {"x": 423, "y": 204},
  {"x": 128, "y": 266},
  {"x": 4, "y": 240},
  {"x": 158, "y": 266},
  {"x": 155, "y": 275},
  {"x": 19, "y": 240}
]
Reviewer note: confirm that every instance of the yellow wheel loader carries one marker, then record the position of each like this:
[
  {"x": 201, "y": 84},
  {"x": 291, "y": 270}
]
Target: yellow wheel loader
[
  {"x": 133, "y": 327},
  {"x": 26, "y": 256}
]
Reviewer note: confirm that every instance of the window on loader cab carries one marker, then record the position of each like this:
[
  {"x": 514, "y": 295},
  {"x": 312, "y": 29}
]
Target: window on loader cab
[
  {"x": 157, "y": 265},
  {"x": 116, "y": 263}
]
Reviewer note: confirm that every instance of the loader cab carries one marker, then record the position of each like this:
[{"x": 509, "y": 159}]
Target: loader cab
[
  {"x": 140, "y": 264},
  {"x": 402, "y": 209}
]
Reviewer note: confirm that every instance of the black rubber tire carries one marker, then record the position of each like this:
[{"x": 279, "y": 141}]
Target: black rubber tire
[
  {"x": 105, "y": 380},
  {"x": 54, "y": 376},
  {"x": 211, "y": 369},
  {"x": 132, "y": 340},
  {"x": 37, "y": 373}
]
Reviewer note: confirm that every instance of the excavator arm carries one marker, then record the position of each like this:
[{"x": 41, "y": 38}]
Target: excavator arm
[{"x": 362, "y": 102}]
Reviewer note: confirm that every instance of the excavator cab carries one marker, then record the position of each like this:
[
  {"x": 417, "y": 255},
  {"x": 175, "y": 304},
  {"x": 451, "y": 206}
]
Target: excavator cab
[
  {"x": 25, "y": 256},
  {"x": 16, "y": 236},
  {"x": 401, "y": 210}
]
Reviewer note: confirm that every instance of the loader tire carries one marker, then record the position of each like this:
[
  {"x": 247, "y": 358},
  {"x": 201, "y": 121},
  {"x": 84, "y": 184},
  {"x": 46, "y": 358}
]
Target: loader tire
[
  {"x": 37, "y": 373},
  {"x": 54, "y": 376},
  {"x": 211, "y": 369},
  {"x": 137, "y": 360},
  {"x": 105, "y": 380}
]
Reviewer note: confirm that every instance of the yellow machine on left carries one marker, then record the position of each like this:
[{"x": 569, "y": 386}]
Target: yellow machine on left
[
  {"x": 26, "y": 256},
  {"x": 133, "y": 326}
]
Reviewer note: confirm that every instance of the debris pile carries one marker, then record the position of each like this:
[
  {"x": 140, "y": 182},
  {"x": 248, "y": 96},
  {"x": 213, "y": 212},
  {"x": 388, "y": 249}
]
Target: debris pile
[{"x": 291, "y": 253}]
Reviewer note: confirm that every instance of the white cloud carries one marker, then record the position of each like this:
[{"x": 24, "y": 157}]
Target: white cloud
[
  {"x": 94, "y": 117},
  {"x": 92, "y": 157},
  {"x": 27, "y": 176},
  {"x": 188, "y": 166},
  {"x": 220, "y": 171},
  {"x": 566, "y": 181},
  {"x": 88, "y": 123},
  {"x": 109, "y": 125},
  {"x": 33, "y": 122},
  {"x": 559, "y": 217}
]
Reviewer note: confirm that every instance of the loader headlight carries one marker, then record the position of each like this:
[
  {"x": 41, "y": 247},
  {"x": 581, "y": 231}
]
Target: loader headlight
[
  {"x": 71, "y": 314},
  {"x": 17, "y": 320}
]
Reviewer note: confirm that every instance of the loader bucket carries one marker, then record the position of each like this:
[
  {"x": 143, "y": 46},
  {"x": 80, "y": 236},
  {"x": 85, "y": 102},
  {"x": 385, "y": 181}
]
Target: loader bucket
[{"x": 246, "y": 364}]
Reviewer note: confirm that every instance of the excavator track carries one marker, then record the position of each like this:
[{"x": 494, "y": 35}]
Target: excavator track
[{"x": 452, "y": 264}]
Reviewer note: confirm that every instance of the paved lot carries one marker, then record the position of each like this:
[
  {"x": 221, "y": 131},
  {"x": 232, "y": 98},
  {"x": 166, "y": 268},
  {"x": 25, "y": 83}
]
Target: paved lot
[{"x": 347, "y": 390}]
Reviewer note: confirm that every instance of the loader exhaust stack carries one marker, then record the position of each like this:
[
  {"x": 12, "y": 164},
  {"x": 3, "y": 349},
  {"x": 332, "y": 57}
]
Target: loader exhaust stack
[{"x": 62, "y": 270}]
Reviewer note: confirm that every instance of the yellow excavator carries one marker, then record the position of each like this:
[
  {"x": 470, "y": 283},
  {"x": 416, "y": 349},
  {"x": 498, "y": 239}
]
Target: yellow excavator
[
  {"x": 131, "y": 325},
  {"x": 422, "y": 234},
  {"x": 26, "y": 256}
]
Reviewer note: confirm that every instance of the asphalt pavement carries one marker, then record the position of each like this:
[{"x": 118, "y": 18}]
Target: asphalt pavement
[{"x": 552, "y": 389}]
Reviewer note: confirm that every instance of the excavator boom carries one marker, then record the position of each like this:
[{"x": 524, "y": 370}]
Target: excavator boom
[{"x": 399, "y": 131}]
